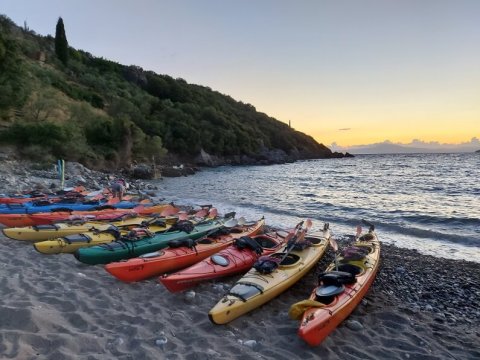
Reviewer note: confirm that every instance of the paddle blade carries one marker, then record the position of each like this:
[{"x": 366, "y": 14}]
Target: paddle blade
[
  {"x": 201, "y": 213},
  {"x": 182, "y": 215},
  {"x": 169, "y": 211},
  {"x": 242, "y": 221},
  {"x": 231, "y": 223},
  {"x": 308, "y": 225},
  {"x": 213, "y": 213},
  {"x": 359, "y": 231},
  {"x": 333, "y": 244}
]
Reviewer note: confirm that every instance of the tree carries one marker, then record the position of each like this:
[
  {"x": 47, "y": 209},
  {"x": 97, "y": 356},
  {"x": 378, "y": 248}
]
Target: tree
[{"x": 61, "y": 43}]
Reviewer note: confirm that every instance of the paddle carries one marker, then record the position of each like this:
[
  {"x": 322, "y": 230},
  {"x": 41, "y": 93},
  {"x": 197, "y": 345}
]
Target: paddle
[
  {"x": 358, "y": 233},
  {"x": 334, "y": 246},
  {"x": 267, "y": 264},
  {"x": 297, "y": 236},
  {"x": 369, "y": 224}
]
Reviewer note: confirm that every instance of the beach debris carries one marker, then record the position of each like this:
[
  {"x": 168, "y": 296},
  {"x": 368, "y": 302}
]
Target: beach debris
[
  {"x": 161, "y": 341},
  {"x": 354, "y": 325},
  {"x": 190, "y": 295}
]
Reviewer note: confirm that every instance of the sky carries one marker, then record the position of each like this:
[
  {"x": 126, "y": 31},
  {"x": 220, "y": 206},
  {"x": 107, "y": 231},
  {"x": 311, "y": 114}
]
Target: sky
[{"x": 347, "y": 72}]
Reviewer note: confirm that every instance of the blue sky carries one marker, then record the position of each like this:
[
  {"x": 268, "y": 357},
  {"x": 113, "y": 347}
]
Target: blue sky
[{"x": 348, "y": 72}]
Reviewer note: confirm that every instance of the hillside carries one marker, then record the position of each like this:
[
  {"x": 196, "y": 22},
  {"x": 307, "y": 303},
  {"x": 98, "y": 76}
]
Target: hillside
[{"x": 107, "y": 115}]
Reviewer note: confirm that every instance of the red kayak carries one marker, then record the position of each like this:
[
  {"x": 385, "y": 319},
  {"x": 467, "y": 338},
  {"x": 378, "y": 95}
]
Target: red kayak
[
  {"x": 21, "y": 220},
  {"x": 174, "y": 258},
  {"x": 237, "y": 258},
  {"x": 342, "y": 287}
]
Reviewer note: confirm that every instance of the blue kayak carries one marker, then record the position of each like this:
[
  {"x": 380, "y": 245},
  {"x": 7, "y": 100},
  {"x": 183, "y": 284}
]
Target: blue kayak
[{"x": 31, "y": 208}]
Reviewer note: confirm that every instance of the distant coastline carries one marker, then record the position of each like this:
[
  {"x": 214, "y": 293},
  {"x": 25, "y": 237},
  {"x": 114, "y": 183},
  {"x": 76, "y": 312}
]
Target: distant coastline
[{"x": 415, "y": 147}]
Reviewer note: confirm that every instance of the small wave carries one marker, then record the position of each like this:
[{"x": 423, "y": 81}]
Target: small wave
[
  {"x": 430, "y": 234},
  {"x": 436, "y": 220},
  {"x": 308, "y": 195}
]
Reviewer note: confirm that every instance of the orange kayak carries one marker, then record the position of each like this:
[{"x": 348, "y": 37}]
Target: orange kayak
[
  {"x": 340, "y": 290},
  {"x": 174, "y": 258},
  {"x": 235, "y": 259}
]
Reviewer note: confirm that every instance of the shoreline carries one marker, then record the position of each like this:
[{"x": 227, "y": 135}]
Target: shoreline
[{"x": 419, "y": 307}]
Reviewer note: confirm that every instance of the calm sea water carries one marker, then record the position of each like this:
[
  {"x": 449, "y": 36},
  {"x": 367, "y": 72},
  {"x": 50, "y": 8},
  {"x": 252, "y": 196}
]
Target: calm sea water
[{"x": 430, "y": 202}]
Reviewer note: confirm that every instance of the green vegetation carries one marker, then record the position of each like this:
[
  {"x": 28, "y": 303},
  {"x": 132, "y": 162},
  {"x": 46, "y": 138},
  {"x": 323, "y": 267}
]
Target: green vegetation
[{"x": 56, "y": 101}]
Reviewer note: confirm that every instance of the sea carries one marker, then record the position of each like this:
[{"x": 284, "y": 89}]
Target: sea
[{"x": 428, "y": 202}]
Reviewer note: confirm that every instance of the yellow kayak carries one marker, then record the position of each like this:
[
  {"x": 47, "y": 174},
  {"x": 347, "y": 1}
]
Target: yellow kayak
[
  {"x": 71, "y": 243},
  {"x": 256, "y": 288},
  {"x": 129, "y": 228},
  {"x": 46, "y": 232}
]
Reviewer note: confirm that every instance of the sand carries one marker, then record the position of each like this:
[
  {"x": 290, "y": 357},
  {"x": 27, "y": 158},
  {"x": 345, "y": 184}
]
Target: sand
[{"x": 54, "y": 307}]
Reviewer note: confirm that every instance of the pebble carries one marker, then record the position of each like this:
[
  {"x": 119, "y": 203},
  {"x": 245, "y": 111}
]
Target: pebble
[
  {"x": 252, "y": 344},
  {"x": 190, "y": 295},
  {"x": 423, "y": 282},
  {"x": 354, "y": 325}
]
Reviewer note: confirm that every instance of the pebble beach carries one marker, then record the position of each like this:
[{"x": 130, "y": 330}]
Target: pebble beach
[{"x": 54, "y": 307}]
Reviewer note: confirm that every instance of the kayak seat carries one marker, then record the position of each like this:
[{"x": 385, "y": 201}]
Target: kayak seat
[
  {"x": 246, "y": 242},
  {"x": 290, "y": 259},
  {"x": 336, "y": 278},
  {"x": 190, "y": 243},
  {"x": 313, "y": 240},
  {"x": 77, "y": 238},
  {"x": 326, "y": 293},
  {"x": 265, "y": 242},
  {"x": 354, "y": 253},
  {"x": 366, "y": 237},
  {"x": 352, "y": 269},
  {"x": 45, "y": 227}
]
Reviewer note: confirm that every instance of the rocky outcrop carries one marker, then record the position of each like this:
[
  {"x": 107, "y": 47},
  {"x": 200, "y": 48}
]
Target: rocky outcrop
[{"x": 265, "y": 156}]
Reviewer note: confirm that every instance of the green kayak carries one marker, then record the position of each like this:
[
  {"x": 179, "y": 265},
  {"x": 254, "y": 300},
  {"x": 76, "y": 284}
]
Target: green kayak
[{"x": 125, "y": 248}]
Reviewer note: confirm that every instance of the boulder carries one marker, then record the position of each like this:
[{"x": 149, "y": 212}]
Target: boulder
[
  {"x": 205, "y": 159},
  {"x": 144, "y": 171}
]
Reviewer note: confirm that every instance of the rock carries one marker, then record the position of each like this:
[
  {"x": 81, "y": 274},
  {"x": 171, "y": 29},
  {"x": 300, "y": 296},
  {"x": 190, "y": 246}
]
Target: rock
[
  {"x": 205, "y": 159},
  {"x": 144, "y": 171},
  {"x": 354, "y": 325},
  {"x": 252, "y": 344}
]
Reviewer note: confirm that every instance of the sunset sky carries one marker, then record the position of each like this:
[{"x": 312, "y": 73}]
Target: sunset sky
[{"x": 348, "y": 72}]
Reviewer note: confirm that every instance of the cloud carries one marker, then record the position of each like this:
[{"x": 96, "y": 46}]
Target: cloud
[
  {"x": 416, "y": 145},
  {"x": 345, "y": 129}
]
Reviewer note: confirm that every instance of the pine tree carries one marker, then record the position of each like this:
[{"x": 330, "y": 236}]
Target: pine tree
[{"x": 61, "y": 43}]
